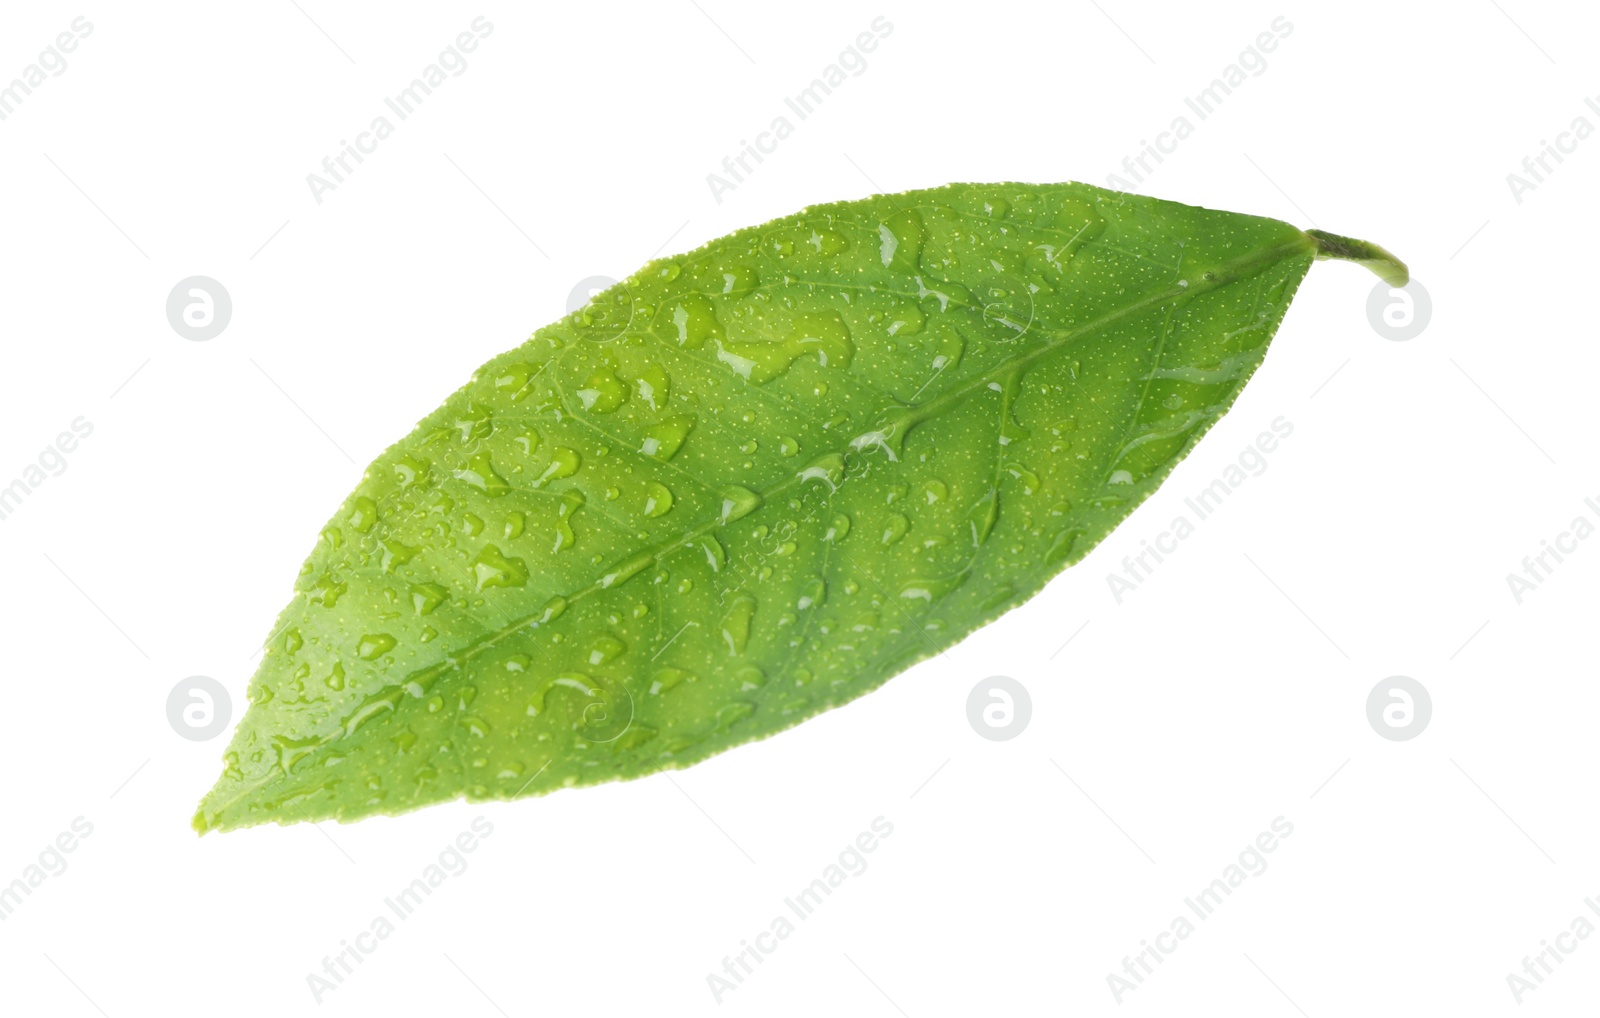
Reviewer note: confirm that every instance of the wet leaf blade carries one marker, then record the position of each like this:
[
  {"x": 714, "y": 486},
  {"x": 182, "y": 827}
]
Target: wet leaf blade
[{"x": 751, "y": 484}]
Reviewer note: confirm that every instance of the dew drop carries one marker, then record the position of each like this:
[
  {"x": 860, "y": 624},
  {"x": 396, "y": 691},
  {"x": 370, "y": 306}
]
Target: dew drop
[
  {"x": 667, "y": 678},
  {"x": 474, "y": 422},
  {"x": 827, "y": 241},
  {"x": 981, "y": 518},
  {"x": 553, "y": 610},
  {"x": 516, "y": 522},
  {"x": 733, "y": 713},
  {"x": 604, "y": 650},
  {"x": 999, "y": 596},
  {"x": 930, "y": 590},
  {"x": 1062, "y": 546},
  {"x": 374, "y": 645},
  {"x": 716, "y": 556},
  {"x": 628, "y": 569},
  {"x": 527, "y": 440},
  {"x": 662, "y": 441},
  {"x": 566, "y": 537},
  {"x": 736, "y": 624},
  {"x": 408, "y": 470},
  {"x": 895, "y": 528},
  {"x": 363, "y": 512},
  {"x": 493, "y": 568},
  {"x": 425, "y": 597},
  {"x": 657, "y": 499},
  {"x": 900, "y": 241},
  {"x": 737, "y": 503},
  {"x": 1029, "y": 479},
  {"x": 396, "y": 555},
  {"x": 812, "y": 593},
  {"x": 829, "y": 470},
  {"x": 603, "y": 393},
  {"x": 564, "y": 462},
  {"x": 652, "y": 386},
  {"x": 689, "y": 320},
  {"x": 513, "y": 379},
  {"x": 838, "y": 528}
]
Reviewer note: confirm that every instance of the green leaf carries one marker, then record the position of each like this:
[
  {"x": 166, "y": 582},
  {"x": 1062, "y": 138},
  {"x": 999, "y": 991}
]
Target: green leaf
[{"x": 749, "y": 484}]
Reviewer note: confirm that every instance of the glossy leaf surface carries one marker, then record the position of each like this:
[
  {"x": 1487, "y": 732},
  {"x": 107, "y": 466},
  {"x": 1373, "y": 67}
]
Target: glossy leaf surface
[{"x": 752, "y": 483}]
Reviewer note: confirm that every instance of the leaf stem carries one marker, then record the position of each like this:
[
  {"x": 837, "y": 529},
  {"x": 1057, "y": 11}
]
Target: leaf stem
[{"x": 1383, "y": 264}]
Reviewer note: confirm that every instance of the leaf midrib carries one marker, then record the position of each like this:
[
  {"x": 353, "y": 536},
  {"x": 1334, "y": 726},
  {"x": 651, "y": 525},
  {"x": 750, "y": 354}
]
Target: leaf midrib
[{"x": 1227, "y": 275}]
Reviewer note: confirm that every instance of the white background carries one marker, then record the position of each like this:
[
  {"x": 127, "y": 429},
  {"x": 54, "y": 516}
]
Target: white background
[{"x": 1227, "y": 691}]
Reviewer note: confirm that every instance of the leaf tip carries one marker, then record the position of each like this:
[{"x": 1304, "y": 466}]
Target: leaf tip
[
  {"x": 1383, "y": 264},
  {"x": 210, "y": 816}
]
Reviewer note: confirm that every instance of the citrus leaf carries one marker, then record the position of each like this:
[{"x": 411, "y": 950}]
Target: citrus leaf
[{"x": 749, "y": 484}]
